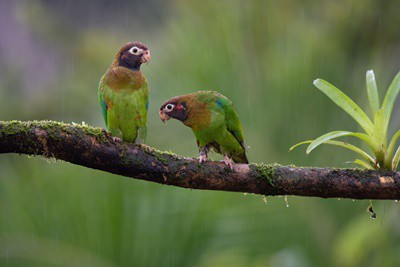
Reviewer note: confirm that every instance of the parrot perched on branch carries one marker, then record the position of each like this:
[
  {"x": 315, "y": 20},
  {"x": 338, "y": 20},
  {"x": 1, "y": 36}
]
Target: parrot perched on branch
[
  {"x": 214, "y": 122},
  {"x": 124, "y": 95}
]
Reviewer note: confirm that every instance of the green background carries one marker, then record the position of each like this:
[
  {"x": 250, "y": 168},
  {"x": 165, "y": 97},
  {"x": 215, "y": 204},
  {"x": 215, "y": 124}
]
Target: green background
[{"x": 263, "y": 55}]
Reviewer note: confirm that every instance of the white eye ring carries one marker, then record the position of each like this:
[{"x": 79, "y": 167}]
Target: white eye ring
[
  {"x": 169, "y": 107},
  {"x": 135, "y": 50}
]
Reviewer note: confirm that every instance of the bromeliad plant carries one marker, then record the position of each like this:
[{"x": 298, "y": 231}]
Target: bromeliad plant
[{"x": 375, "y": 129}]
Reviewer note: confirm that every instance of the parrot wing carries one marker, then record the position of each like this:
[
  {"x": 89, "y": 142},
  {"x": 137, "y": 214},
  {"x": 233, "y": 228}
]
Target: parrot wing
[{"x": 232, "y": 120}]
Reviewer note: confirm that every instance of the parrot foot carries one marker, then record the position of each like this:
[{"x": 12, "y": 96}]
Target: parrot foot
[
  {"x": 202, "y": 158},
  {"x": 116, "y": 139},
  {"x": 228, "y": 162}
]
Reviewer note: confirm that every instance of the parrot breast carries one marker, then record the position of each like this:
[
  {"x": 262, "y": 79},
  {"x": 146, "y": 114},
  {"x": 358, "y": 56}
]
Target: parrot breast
[{"x": 120, "y": 78}]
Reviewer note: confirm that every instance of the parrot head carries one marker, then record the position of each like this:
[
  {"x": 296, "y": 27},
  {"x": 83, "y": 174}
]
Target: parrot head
[
  {"x": 132, "y": 55},
  {"x": 174, "y": 108}
]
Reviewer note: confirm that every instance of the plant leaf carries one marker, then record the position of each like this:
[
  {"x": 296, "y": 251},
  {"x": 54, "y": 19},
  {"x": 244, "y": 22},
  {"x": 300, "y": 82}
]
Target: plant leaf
[
  {"x": 379, "y": 134},
  {"x": 389, "y": 100},
  {"x": 362, "y": 163},
  {"x": 392, "y": 145},
  {"x": 361, "y": 152},
  {"x": 373, "y": 95},
  {"x": 379, "y": 138},
  {"x": 299, "y": 144},
  {"x": 396, "y": 159},
  {"x": 331, "y": 135},
  {"x": 348, "y": 105}
]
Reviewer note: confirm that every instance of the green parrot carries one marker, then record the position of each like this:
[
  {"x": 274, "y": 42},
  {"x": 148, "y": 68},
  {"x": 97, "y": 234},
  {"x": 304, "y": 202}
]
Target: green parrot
[
  {"x": 124, "y": 94},
  {"x": 214, "y": 122}
]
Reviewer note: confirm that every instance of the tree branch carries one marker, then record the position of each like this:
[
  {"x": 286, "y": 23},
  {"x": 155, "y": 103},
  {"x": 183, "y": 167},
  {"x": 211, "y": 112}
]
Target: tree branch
[{"x": 94, "y": 148}]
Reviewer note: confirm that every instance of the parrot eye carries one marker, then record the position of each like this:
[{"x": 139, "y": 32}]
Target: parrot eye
[
  {"x": 169, "y": 107},
  {"x": 135, "y": 50}
]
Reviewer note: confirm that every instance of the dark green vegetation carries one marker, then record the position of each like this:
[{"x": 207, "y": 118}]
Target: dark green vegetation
[{"x": 264, "y": 56}]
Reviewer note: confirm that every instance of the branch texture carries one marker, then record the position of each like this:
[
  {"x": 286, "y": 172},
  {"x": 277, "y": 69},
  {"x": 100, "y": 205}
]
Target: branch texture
[{"x": 94, "y": 148}]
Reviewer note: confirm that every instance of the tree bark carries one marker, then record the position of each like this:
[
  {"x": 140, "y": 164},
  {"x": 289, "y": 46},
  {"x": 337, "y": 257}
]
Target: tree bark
[{"x": 94, "y": 148}]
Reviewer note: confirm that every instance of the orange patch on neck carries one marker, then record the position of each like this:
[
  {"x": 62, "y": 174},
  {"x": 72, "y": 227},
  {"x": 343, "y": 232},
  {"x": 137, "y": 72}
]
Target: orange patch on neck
[
  {"x": 120, "y": 78},
  {"x": 199, "y": 116}
]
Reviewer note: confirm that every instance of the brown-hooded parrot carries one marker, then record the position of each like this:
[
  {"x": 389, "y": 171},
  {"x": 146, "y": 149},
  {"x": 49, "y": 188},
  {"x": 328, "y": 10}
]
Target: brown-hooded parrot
[
  {"x": 124, "y": 95},
  {"x": 214, "y": 122}
]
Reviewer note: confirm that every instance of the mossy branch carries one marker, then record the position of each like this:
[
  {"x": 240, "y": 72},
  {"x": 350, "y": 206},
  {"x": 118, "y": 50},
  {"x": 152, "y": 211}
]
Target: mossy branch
[{"x": 94, "y": 148}]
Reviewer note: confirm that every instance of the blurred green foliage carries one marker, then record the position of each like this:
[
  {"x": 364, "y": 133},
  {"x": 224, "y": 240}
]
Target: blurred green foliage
[{"x": 264, "y": 56}]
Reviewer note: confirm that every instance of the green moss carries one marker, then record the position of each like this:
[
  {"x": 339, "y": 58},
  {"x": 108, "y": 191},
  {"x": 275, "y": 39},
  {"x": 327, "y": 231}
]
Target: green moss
[
  {"x": 164, "y": 156},
  {"x": 161, "y": 157},
  {"x": 13, "y": 127},
  {"x": 172, "y": 154},
  {"x": 265, "y": 171},
  {"x": 52, "y": 128},
  {"x": 93, "y": 131}
]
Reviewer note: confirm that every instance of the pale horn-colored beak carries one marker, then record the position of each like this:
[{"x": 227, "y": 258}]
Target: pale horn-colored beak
[
  {"x": 145, "y": 57},
  {"x": 164, "y": 117}
]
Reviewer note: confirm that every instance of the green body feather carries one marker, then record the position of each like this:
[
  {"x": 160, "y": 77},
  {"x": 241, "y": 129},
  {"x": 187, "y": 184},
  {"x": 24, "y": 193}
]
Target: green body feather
[
  {"x": 215, "y": 124},
  {"x": 123, "y": 96}
]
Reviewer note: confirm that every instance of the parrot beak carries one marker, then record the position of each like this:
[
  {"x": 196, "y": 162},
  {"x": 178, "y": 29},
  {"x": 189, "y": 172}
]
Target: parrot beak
[
  {"x": 164, "y": 117},
  {"x": 145, "y": 57}
]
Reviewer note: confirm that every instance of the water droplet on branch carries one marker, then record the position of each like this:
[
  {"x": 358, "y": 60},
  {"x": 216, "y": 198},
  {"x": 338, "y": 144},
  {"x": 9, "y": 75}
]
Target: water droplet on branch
[
  {"x": 286, "y": 201},
  {"x": 265, "y": 200},
  {"x": 371, "y": 210}
]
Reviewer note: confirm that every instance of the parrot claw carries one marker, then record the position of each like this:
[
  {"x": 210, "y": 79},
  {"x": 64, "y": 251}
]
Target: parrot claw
[
  {"x": 202, "y": 158},
  {"x": 228, "y": 162},
  {"x": 116, "y": 139}
]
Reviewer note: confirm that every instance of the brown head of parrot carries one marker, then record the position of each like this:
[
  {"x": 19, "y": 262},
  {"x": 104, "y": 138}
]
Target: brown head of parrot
[
  {"x": 174, "y": 108},
  {"x": 132, "y": 55}
]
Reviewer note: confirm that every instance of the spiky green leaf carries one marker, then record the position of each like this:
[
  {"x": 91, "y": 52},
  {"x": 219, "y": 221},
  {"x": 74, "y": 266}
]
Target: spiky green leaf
[
  {"x": 361, "y": 152},
  {"x": 379, "y": 134},
  {"x": 396, "y": 159},
  {"x": 389, "y": 100},
  {"x": 362, "y": 163},
  {"x": 299, "y": 144},
  {"x": 373, "y": 95},
  {"x": 335, "y": 134},
  {"x": 348, "y": 105},
  {"x": 392, "y": 144}
]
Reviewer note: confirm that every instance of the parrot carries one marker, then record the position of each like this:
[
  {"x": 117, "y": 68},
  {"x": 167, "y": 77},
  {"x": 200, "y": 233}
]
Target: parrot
[
  {"x": 214, "y": 122},
  {"x": 124, "y": 94}
]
